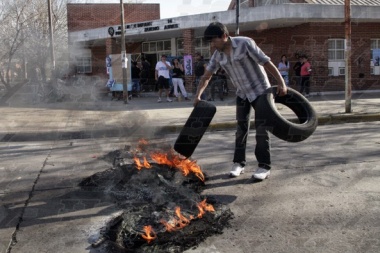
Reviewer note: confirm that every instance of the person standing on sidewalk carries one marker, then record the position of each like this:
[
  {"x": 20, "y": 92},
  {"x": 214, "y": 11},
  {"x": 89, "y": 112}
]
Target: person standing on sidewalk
[
  {"x": 297, "y": 71},
  {"x": 246, "y": 65},
  {"x": 177, "y": 79},
  {"x": 305, "y": 76},
  {"x": 199, "y": 69},
  {"x": 162, "y": 77},
  {"x": 283, "y": 67}
]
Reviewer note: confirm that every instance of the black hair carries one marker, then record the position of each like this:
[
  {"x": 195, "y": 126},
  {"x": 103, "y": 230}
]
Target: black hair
[
  {"x": 286, "y": 62},
  {"x": 215, "y": 30}
]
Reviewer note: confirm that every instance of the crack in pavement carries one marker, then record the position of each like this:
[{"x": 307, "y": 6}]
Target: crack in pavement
[{"x": 13, "y": 240}]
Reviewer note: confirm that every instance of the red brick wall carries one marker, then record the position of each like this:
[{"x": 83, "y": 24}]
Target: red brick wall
[
  {"x": 89, "y": 16},
  {"x": 312, "y": 39}
]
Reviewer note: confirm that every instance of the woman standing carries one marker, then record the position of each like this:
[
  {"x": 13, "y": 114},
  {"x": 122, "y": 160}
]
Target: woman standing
[
  {"x": 177, "y": 79},
  {"x": 283, "y": 67},
  {"x": 305, "y": 76}
]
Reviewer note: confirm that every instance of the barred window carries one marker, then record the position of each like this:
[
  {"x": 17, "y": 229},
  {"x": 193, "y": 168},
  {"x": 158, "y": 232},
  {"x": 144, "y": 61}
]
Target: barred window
[{"x": 336, "y": 49}]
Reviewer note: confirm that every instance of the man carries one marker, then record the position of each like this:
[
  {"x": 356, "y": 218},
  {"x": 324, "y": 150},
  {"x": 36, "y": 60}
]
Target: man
[
  {"x": 144, "y": 74},
  {"x": 162, "y": 77},
  {"x": 199, "y": 69},
  {"x": 245, "y": 64},
  {"x": 297, "y": 71}
]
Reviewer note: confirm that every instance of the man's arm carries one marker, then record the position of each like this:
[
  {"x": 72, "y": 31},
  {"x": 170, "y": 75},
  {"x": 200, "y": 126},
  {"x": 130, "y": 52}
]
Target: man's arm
[
  {"x": 202, "y": 86},
  {"x": 271, "y": 68}
]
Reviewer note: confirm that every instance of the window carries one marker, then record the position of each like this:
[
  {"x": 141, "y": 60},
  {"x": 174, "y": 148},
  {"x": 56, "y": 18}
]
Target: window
[
  {"x": 180, "y": 43},
  {"x": 203, "y": 47},
  {"x": 375, "y": 51},
  {"x": 331, "y": 71},
  {"x": 342, "y": 71},
  {"x": 84, "y": 64},
  {"x": 336, "y": 49}
]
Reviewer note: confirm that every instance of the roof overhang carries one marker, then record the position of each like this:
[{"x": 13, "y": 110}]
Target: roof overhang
[{"x": 258, "y": 18}]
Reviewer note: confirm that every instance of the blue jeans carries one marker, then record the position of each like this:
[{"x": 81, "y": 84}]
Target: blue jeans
[
  {"x": 262, "y": 150},
  {"x": 135, "y": 85}
]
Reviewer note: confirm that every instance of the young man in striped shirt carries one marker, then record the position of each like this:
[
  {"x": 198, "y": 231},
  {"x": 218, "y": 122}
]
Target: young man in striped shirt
[{"x": 246, "y": 65}]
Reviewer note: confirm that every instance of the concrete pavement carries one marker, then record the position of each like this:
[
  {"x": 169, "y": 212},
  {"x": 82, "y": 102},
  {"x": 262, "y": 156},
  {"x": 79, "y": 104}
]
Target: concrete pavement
[{"x": 322, "y": 196}]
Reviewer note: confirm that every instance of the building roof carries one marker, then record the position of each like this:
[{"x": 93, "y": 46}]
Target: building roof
[{"x": 340, "y": 2}]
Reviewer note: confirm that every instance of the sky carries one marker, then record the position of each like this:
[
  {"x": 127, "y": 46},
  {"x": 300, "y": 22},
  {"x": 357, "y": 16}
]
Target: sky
[{"x": 176, "y": 8}]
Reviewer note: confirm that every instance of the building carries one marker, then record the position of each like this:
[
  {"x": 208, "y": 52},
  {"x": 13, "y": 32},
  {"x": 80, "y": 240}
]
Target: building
[{"x": 312, "y": 27}]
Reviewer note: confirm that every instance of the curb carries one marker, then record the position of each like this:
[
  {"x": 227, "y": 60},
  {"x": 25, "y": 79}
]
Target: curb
[{"x": 322, "y": 120}]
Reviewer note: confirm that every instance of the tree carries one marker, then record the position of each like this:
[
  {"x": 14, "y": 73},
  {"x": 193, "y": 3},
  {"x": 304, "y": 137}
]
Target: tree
[
  {"x": 12, "y": 21},
  {"x": 24, "y": 35}
]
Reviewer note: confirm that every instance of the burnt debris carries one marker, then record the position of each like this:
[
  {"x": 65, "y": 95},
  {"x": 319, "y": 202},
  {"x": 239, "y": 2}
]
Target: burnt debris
[{"x": 161, "y": 206}]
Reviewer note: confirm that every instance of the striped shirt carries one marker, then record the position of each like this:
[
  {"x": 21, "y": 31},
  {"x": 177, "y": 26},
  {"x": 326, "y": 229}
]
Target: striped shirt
[{"x": 244, "y": 66}]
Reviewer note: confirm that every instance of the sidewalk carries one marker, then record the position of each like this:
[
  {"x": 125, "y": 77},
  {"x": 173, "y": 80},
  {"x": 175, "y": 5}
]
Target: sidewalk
[
  {"x": 87, "y": 108},
  {"x": 323, "y": 194}
]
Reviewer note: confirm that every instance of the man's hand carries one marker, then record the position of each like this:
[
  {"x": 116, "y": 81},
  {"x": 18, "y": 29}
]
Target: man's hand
[
  {"x": 282, "y": 90},
  {"x": 196, "y": 101}
]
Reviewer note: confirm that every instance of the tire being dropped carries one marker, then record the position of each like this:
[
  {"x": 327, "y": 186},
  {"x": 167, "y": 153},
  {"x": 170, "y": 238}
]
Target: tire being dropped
[
  {"x": 194, "y": 128},
  {"x": 280, "y": 126}
]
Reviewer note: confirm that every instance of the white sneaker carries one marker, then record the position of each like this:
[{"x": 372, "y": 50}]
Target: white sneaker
[
  {"x": 261, "y": 173},
  {"x": 236, "y": 170},
  {"x": 169, "y": 100},
  {"x": 159, "y": 100}
]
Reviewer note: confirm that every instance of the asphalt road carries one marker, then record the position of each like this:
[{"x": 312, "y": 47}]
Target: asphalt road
[{"x": 323, "y": 194}]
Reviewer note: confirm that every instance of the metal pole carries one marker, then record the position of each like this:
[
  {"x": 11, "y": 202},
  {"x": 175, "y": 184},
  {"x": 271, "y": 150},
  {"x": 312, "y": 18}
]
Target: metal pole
[
  {"x": 51, "y": 40},
  {"x": 123, "y": 55},
  {"x": 237, "y": 17},
  {"x": 347, "y": 54}
]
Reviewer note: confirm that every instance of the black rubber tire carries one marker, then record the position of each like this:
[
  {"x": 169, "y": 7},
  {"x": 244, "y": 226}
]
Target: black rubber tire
[
  {"x": 194, "y": 128},
  {"x": 281, "y": 127}
]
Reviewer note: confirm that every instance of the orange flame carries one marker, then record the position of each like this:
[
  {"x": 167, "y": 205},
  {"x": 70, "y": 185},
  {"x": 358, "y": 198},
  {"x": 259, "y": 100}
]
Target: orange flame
[
  {"x": 177, "y": 223},
  {"x": 184, "y": 165},
  {"x": 149, "y": 235},
  {"x": 181, "y": 221},
  {"x": 145, "y": 163},
  {"x": 143, "y": 142},
  {"x": 203, "y": 207}
]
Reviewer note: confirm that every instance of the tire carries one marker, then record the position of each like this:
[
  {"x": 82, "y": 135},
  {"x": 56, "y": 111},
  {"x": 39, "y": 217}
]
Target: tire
[
  {"x": 194, "y": 128},
  {"x": 281, "y": 127}
]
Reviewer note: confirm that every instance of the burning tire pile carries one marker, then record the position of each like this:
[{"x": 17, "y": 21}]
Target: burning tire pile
[{"x": 159, "y": 196}]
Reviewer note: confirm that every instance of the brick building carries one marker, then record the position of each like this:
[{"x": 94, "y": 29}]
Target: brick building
[{"x": 312, "y": 27}]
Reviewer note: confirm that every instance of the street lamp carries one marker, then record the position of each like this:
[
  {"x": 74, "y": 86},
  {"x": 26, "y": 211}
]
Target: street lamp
[
  {"x": 51, "y": 40},
  {"x": 347, "y": 54},
  {"x": 123, "y": 55}
]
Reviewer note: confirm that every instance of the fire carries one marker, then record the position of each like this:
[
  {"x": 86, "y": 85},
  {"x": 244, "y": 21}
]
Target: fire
[
  {"x": 149, "y": 235},
  {"x": 186, "y": 166},
  {"x": 145, "y": 163},
  {"x": 172, "y": 159},
  {"x": 141, "y": 146},
  {"x": 179, "y": 222},
  {"x": 175, "y": 161},
  {"x": 203, "y": 207}
]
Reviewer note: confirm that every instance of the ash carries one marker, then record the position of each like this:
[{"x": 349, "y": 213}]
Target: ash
[{"x": 146, "y": 197}]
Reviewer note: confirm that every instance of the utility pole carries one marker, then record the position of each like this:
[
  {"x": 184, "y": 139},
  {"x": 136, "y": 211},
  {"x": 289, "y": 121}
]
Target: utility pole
[
  {"x": 347, "y": 54},
  {"x": 124, "y": 59},
  {"x": 51, "y": 41},
  {"x": 237, "y": 17}
]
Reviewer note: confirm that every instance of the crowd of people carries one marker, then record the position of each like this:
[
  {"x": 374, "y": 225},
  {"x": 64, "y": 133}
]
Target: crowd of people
[
  {"x": 302, "y": 71},
  {"x": 169, "y": 77}
]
